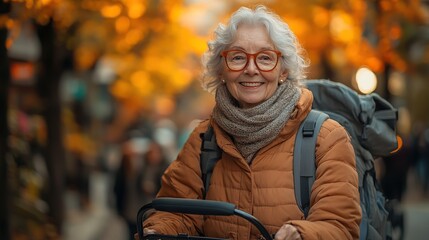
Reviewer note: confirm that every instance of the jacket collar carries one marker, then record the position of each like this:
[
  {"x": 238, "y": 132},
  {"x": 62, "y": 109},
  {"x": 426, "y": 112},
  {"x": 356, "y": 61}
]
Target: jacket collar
[{"x": 302, "y": 108}]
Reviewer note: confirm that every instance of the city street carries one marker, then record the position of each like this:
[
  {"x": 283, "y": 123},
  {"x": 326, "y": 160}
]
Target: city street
[
  {"x": 101, "y": 222},
  {"x": 98, "y": 97}
]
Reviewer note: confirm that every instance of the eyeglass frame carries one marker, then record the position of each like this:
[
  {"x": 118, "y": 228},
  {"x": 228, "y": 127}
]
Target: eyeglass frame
[{"x": 249, "y": 55}]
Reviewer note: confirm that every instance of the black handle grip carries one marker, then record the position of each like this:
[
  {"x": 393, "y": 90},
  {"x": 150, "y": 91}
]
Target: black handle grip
[
  {"x": 193, "y": 206},
  {"x": 197, "y": 206}
]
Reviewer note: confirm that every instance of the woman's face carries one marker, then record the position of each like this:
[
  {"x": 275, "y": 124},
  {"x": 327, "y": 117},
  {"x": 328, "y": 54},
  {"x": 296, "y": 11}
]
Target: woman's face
[{"x": 251, "y": 86}]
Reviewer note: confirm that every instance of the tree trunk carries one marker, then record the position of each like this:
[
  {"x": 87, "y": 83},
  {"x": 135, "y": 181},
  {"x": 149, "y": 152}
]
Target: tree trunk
[
  {"x": 48, "y": 83},
  {"x": 4, "y": 134}
]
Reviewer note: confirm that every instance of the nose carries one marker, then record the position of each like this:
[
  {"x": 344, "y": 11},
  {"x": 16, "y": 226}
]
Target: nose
[{"x": 251, "y": 67}]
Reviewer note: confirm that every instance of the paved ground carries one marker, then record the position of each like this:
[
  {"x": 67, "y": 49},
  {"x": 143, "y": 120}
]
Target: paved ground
[
  {"x": 95, "y": 224},
  {"x": 417, "y": 221},
  {"x": 416, "y": 211},
  {"x": 99, "y": 222}
]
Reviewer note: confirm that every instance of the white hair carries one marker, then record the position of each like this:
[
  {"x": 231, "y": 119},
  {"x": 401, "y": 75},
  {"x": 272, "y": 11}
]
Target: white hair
[{"x": 281, "y": 35}]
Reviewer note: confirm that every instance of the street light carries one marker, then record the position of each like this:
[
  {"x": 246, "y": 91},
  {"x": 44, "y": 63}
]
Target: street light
[{"x": 366, "y": 80}]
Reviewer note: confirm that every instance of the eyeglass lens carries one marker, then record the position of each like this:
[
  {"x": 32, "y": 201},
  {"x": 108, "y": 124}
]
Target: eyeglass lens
[{"x": 265, "y": 60}]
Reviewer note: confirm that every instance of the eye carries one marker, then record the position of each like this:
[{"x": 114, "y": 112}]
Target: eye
[
  {"x": 237, "y": 56},
  {"x": 265, "y": 56}
]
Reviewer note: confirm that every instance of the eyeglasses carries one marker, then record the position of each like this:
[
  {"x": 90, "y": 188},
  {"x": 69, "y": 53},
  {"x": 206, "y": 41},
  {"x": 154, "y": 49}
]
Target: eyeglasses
[{"x": 237, "y": 60}]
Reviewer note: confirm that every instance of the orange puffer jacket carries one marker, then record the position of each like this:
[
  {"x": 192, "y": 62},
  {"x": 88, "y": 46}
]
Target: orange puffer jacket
[{"x": 265, "y": 187}]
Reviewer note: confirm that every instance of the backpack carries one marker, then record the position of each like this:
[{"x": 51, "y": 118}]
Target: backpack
[{"x": 369, "y": 120}]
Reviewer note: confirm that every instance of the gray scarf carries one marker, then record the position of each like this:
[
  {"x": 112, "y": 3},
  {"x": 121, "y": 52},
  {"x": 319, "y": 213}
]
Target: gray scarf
[{"x": 254, "y": 128}]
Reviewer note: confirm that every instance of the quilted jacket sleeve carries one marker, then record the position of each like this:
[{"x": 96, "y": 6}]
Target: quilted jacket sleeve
[
  {"x": 335, "y": 211},
  {"x": 182, "y": 179}
]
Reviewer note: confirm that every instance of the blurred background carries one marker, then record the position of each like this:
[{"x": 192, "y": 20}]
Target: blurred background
[{"x": 98, "y": 96}]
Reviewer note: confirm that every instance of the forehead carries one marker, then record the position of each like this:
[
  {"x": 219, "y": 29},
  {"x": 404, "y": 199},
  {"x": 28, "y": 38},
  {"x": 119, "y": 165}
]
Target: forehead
[{"x": 252, "y": 35}]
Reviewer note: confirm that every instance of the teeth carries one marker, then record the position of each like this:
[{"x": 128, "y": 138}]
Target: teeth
[{"x": 251, "y": 84}]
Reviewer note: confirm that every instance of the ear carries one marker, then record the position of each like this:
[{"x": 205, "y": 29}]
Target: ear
[
  {"x": 284, "y": 74},
  {"x": 220, "y": 77}
]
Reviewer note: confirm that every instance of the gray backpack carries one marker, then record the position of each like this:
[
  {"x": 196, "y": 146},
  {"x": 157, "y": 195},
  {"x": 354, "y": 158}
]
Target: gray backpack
[{"x": 370, "y": 121}]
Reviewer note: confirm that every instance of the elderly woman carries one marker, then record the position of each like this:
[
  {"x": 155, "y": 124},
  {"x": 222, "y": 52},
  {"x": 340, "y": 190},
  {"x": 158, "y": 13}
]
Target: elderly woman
[{"x": 254, "y": 67}]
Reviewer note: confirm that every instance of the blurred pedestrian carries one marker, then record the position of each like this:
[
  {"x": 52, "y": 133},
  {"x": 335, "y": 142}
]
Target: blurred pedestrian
[
  {"x": 422, "y": 164},
  {"x": 155, "y": 163},
  {"x": 393, "y": 181},
  {"x": 138, "y": 178},
  {"x": 394, "y": 177}
]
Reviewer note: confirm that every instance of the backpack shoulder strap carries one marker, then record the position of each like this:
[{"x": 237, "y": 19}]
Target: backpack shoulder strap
[
  {"x": 210, "y": 154},
  {"x": 304, "y": 166}
]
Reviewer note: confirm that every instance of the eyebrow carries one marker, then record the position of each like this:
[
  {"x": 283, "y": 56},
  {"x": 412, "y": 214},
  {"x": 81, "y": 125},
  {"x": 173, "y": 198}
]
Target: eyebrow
[{"x": 242, "y": 49}]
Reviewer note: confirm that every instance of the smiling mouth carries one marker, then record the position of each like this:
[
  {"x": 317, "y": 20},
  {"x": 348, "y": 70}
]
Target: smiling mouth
[{"x": 251, "y": 84}]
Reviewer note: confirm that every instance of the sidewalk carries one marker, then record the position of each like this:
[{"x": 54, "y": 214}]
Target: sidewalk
[
  {"x": 416, "y": 211},
  {"x": 97, "y": 222},
  {"x": 416, "y": 221}
]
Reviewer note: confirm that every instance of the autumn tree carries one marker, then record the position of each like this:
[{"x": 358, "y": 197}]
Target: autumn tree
[{"x": 148, "y": 49}]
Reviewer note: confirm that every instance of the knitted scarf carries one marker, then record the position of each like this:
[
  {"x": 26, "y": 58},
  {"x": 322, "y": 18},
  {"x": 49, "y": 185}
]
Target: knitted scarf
[{"x": 253, "y": 128}]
